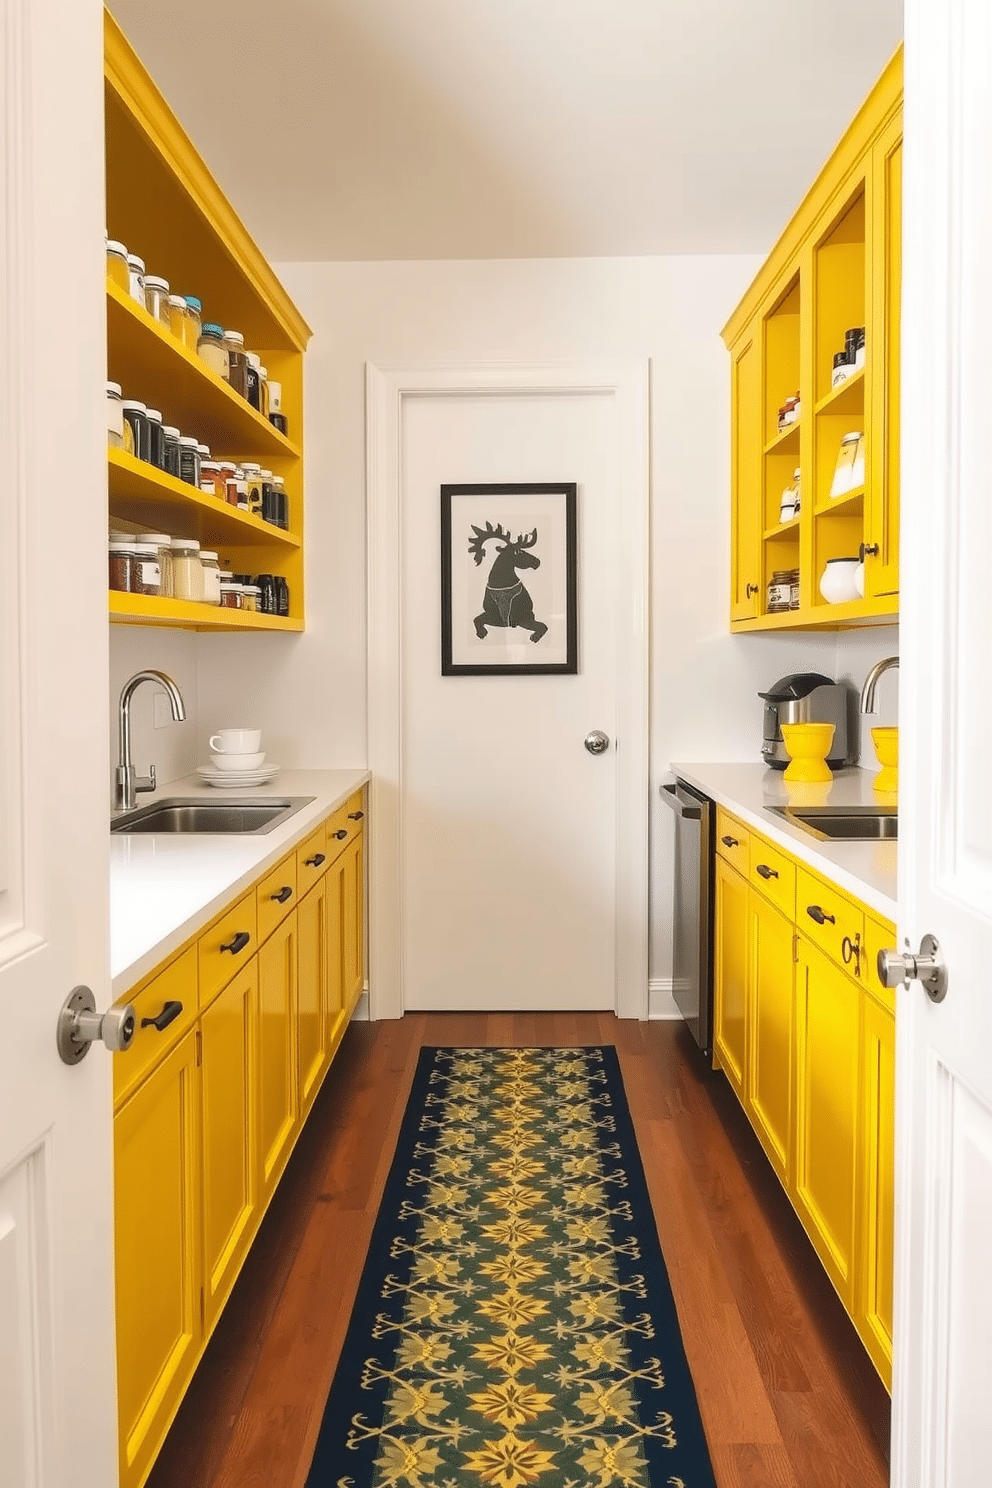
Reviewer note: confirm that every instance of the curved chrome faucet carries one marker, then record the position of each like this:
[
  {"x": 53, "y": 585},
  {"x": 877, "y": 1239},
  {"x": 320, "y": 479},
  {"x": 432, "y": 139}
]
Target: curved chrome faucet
[
  {"x": 126, "y": 783},
  {"x": 871, "y": 683}
]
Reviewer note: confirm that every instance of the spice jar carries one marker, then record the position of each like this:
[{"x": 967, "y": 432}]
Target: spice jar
[
  {"x": 210, "y": 569},
  {"x": 789, "y": 505},
  {"x": 195, "y": 309},
  {"x": 179, "y": 320},
  {"x": 203, "y": 450},
  {"x": 136, "y": 414},
  {"x": 115, "y": 417},
  {"x": 170, "y": 441},
  {"x": 212, "y": 480},
  {"x": 157, "y": 299},
  {"x": 230, "y": 596},
  {"x": 282, "y": 502},
  {"x": 187, "y": 572},
  {"x": 253, "y": 381},
  {"x": 854, "y": 346},
  {"x": 241, "y": 489},
  {"x": 282, "y": 595},
  {"x": 253, "y": 479},
  {"x": 237, "y": 362},
  {"x": 780, "y": 591},
  {"x": 134, "y": 567},
  {"x": 843, "y": 367},
  {"x": 117, "y": 270},
  {"x": 136, "y": 277},
  {"x": 189, "y": 460},
  {"x": 268, "y": 596},
  {"x": 161, "y": 542},
  {"x": 227, "y": 470},
  {"x": 211, "y": 348},
  {"x": 264, "y": 394},
  {"x": 156, "y": 439},
  {"x": 251, "y": 597},
  {"x": 847, "y": 461}
]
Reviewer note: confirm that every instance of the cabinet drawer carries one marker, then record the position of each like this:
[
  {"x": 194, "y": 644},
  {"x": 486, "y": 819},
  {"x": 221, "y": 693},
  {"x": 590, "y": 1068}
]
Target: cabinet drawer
[
  {"x": 224, "y": 948},
  {"x": 344, "y": 826},
  {"x": 879, "y": 936},
  {"x": 176, "y": 986},
  {"x": 274, "y": 903},
  {"x": 773, "y": 873},
  {"x": 830, "y": 920},
  {"x": 311, "y": 859},
  {"x": 732, "y": 840}
]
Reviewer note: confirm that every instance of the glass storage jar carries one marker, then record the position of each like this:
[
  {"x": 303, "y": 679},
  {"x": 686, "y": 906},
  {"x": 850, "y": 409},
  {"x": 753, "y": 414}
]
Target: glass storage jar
[
  {"x": 211, "y": 577},
  {"x": 211, "y": 348},
  {"x": 253, "y": 381},
  {"x": 237, "y": 362},
  {"x": 780, "y": 591},
  {"x": 117, "y": 269},
  {"x": 195, "y": 309},
  {"x": 230, "y": 596},
  {"x": 136, "y": 278},
  {"x": 115, "y": 417},
  {"x": 251, "y": 596},
  {"x": 253, "y": 479},
  {"x": 136, "y": 414},
  {"x": 179, "y": 319},
  {"x": 156, "y": 438},
  {"x": 170, "y": 439},
  {"x": 849, "y": 472},
  {"x": 282, "y": 502},
  {"x": 123, "y": 566},
  {"x": 157, "y": 299},
  {"x": 162, "y": 543},
  {"x": 230, "y": 482},
  {"x": 212, "y": 480},
  {"x": 187, "y": 571},
  {"x": 189, "y": 460}
]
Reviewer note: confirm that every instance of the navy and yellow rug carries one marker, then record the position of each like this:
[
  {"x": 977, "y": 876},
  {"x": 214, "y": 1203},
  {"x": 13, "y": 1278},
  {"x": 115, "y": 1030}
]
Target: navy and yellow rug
[{"x": 514, "y": 1324}]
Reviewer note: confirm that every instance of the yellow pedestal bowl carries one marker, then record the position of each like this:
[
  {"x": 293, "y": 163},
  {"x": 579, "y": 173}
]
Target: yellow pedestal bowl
[
  {"x": 808, "y": 745},
  {"x": 886, "y": 742}
]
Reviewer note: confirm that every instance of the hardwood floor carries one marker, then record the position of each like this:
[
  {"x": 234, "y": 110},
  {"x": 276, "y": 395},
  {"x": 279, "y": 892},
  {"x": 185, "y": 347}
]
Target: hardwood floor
[{"x": 787, "y": 1395}]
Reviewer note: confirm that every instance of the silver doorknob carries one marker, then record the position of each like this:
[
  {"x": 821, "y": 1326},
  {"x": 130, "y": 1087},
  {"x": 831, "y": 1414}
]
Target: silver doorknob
[
  {"x": 597, "y": 742},
  {"x": 79, "y": 1025},
  {"x": 897, "y": 968}
]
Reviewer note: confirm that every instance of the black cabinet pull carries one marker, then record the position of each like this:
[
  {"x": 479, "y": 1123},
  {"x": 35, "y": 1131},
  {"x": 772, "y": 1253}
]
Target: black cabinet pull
[
  {"x": 816, "y": 913},
  {"x": 730, "y": 842},
  {"x": 355, "y": 815},
  {"x": 170, "y": 1012},
  {"x": 751, "y": 589},
  {"x": 340, "y": 833},
  {"x": 283, "y": 894},
  {"x": 851, "y": 951},
  {"x": 238, "y": 943},
  {"x": 315, "y": 861},
  {"x": 767, "y": 872},
  {"x": 868, "y": 550}
]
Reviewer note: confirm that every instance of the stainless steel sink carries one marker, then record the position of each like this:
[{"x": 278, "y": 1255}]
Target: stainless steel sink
[
  {"x": 843, "y": 823},
  {"x": 227, "y": 818}
]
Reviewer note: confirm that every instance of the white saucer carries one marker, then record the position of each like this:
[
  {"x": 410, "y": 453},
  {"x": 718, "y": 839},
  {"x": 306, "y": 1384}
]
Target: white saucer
[{"x": 232, "y": 779}]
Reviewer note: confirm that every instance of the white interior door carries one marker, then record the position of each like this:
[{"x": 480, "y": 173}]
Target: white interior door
[
  {"x": 521, "y": 856},
  {"x": 942, "y": 1424},
  {"x": 57, "y": 1378}
]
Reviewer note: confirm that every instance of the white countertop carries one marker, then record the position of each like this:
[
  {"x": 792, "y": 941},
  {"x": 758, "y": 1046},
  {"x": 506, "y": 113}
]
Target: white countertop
[
  {"x": 865, "y": 869},
  {"x": 163, "y": 888}
]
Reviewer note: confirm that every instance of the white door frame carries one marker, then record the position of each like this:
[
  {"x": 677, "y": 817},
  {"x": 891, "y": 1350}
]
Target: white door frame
[{"x": 388, "y": 389}]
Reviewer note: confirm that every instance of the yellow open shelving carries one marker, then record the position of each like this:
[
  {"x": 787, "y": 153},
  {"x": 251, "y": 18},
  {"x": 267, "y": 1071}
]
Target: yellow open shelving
[{"x": 164, "y": 204}]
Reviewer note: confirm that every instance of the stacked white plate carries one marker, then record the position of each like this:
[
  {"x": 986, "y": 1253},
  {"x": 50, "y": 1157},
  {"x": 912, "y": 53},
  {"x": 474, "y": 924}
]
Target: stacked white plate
[{"x": 235, "y": 779}]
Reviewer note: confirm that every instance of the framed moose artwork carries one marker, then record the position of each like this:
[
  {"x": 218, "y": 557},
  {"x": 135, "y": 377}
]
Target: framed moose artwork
[{"x": 508, "y": 583}]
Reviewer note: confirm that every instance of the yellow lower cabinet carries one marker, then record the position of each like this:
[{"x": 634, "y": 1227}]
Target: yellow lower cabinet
[
  {"x": 228, "y": 1081},
  {"x": 769, "y": 1067},
  {"x": 311, "y": 1022},
  {"x": 828, "y": 1020},
  {"x": 277, "y": 1083},
  {"x": 730, "y": 964},
  {"x": 873, "y": 1304},
  {"x": 157, "y": 1182},
  {"x": 354, "y": 928}
]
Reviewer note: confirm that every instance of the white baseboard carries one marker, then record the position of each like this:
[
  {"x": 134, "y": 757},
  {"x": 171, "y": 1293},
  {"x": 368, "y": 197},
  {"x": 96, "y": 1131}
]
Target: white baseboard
[
  {"x": 661, "y": 1003},
  {"x": 361, "y": 1013}
]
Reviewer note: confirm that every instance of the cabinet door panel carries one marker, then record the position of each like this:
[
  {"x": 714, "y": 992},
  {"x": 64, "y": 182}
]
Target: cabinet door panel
[
  {"x": 230, "y": 1157},
  {"x": 874, "y": 1312},
  {"x": 156, "y": 1174},
  {"x": 277, "y": 1085},
  {"x": 730, "y": 973},
  {"x": 769, "y": 1072},
  {"x": 746, "y": 457},
  {"x": 828, "y": 1012},
  {"x": 882, "y": 514},
  {"x": 311, "y": 1023},
  {"x": 336, "y": 938},
  {"x": 354, "y": 928}
]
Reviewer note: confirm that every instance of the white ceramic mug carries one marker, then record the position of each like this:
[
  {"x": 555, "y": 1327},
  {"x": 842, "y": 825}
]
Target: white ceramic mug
[{"x": 236, "y": 741}]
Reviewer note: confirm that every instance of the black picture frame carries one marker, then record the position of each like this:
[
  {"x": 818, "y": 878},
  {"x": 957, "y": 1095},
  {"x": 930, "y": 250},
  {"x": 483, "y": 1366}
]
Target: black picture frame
[{"x": 495, "y": 630}]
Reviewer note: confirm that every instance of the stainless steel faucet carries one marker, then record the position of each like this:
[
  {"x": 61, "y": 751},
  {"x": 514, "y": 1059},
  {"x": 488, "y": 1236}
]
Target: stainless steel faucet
[
  {"x": 126, "y": 783},
  {"x": 871, "y": 683}
]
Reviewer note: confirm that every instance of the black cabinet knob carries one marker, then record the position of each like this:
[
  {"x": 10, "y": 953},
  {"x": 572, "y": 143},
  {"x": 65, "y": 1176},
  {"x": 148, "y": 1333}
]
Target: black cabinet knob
[
  {"x": 820, "y": 916},
  {"x": 340, "y": 834},
  {"x": 730, "y": 842},
  {"x": 767, "y": 872},
  {"x": 355, "y": 815}
]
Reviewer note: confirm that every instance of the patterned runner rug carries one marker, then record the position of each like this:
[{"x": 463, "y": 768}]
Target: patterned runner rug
[{"x": 514, "y": 1323}]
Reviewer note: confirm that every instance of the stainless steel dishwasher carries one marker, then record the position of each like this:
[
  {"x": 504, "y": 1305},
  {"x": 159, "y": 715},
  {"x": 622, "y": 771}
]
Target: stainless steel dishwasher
[{"x": 692, "y": 902}]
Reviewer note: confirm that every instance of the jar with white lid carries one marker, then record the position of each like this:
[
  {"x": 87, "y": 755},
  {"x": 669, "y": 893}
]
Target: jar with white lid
[
  {"x": 195, "y": 308},
  {"x": 115, "y": 419},
  {"x": 237, "y": 362},
  {"x": 156, "y": 438},
  {"x": 229, "y": 472},
  {"x": 231, "y": 596},
  {"x": 157, "y": 299},
  {"x": 189, "y": 460},
  {"x": 187, "y": 571},
  {"x": 170, "y": 439},
  {"x": 117, "y": 267},
  {"x": 179, "y": 320},
  {"x": 148, "y": 567},
  {"x": 211, "y": 577},
  {"x": 253, "y": 478},
  {"x": 136, "y": 414},
  {"x": 211, "y": 348},
  {"x": 849, "y": 472},
  {"x": 162, "y": 543},
  {"x": 251, "y": 598},
  {"x": 136, "y": 278}
]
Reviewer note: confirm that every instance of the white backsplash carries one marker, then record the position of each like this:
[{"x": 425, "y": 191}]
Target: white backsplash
[{"x": 176, "y": 748}]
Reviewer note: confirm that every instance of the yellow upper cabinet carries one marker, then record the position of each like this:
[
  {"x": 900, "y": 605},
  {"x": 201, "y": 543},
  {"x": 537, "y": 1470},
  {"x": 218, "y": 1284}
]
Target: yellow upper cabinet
[
  {"x": 802, "y": 423},
  {"x": 165, "y": 206}
]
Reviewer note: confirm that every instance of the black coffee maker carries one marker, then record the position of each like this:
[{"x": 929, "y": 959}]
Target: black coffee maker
[{"x": 806, "y": 697}]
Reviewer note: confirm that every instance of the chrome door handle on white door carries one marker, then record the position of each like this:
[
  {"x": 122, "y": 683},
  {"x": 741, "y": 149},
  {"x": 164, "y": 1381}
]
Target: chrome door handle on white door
[
  {"x": 597, "y": 742},
  {"x": 896, "y": 968},
  {"x": 79, "y": 1025}
]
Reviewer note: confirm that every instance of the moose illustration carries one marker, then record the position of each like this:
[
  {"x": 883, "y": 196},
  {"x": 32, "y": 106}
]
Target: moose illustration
[{"x": 506, "y": 601}]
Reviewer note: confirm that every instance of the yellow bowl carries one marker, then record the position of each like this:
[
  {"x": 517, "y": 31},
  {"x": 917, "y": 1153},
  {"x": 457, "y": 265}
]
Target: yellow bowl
[
  {"x": 808, "y": 745},
  {"x": 886, "y": 742}
]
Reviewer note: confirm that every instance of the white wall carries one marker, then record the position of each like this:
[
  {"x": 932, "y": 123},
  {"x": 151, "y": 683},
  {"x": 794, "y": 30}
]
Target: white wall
[
  {"x": 176, "y": 748},
  {"x": 308, "y": 692}
]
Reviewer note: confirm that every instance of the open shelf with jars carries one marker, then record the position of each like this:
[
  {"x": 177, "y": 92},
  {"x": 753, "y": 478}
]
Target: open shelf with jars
[
  {"x": 163, "y": 204},
  {"x": 814, "y": 354}
]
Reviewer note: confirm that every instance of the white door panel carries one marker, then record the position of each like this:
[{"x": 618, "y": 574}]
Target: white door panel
[{"x": 942, "y": 1371}]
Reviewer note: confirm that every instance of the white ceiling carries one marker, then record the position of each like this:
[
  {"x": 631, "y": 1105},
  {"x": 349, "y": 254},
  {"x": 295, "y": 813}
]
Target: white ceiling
[{"x": 378, "y": 129}]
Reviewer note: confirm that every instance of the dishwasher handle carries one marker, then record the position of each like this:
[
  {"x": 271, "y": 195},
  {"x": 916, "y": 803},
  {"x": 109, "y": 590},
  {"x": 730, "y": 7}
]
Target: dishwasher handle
[{"x": 688, "y": 810}]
